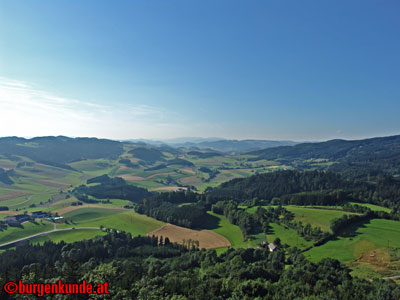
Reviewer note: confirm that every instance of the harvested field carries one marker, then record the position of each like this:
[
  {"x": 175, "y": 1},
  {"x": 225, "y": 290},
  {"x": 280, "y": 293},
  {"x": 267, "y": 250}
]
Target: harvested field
[
  {"x": 139, "y": 178},
  {"x": 191, "y": 180},
  {"x": 207, "y": 239},
  {"x": 52, "y": 183},
  {"x": 211, "y": 162},
  {"x": 169, "y": 188},
  {"x": 132, "y": 178},
  {"x": 226, "y": 171},
  {"x": 121, "y": 168},
  {"x": 12, "y": 196},
  {"x": 189, "y": 170},
  {"x": 7, "y": 165},
  {"x": 72, "y": 208},
  {"x": 9, "y": 212}
]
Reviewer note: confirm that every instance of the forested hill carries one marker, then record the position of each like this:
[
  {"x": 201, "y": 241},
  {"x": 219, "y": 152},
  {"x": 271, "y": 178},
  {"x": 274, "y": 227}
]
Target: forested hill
[
  {"x": 353, "y": 158},
  {"x": 269, "y": 185},
  {"x": 234, "y": 146},
  {"x": 308, "y": 188},
  {"x": 59, "y": 150}
]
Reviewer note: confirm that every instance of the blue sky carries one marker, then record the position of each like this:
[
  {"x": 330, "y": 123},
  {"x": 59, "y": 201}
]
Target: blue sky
[{"x": 299, "y": 70}]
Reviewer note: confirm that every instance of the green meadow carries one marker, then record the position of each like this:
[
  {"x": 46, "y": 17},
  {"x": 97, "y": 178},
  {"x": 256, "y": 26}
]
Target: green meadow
[
  {"x": 89, "y": 214},
  {"x": 372, "y": 206},
  {"x": 124, "y": 220},
  {"x": 376, "y": 233},
  {"x": 359, "y": 241},
  {"x": 315, "y": 216},
  {"x": 320, "y": 217},
  {"x": 27, "y": 229},
  {"x": 287, "y": 236},
  {"x": 221, "y": 225},
  {"x": 68, "y": 236}
]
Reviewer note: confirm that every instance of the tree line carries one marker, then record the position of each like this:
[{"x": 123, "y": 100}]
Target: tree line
[
  {"x": 143, "y": 268},
  {"x": 168, "y": 207}
]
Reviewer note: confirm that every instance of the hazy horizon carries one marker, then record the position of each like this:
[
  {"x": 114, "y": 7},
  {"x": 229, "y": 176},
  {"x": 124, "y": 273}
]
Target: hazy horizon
[
  {"x": 197, "y": 139},
  {"x": 298, "y": 71}
]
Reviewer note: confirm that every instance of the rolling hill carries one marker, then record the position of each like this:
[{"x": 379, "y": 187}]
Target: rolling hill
[
  {"x": 58, "y": 151},
  {"x": 354, "y": 158},
  {"x": 234, "y": 146}
]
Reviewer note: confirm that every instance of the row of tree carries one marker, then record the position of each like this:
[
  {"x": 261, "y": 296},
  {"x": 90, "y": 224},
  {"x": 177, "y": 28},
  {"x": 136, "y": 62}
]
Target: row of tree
[
  {"x": 308, "y": 188},
  {"x": 260, "y": 220}
]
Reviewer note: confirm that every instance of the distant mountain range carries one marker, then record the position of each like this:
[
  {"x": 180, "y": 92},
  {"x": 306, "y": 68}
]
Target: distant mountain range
[
  {"x": 217, "y": 144},
  {"x": 234, "y": 146},
  {"x": 354, "y": 158}
]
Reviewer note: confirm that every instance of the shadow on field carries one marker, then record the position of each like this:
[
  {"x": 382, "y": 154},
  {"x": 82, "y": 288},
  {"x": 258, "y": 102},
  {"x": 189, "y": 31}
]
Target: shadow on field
[
  {"x": 270, "y": 230},
  {"x": 210, "y": 222},
  {"x": 351, "y": 231}
]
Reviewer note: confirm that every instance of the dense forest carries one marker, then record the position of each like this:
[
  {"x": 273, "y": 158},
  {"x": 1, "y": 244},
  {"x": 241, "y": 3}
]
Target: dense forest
[
  {"x": 276, "y": 184},
  {"x": 110, "y": 188},
  {"x": 148, "y": 268},
  {"x": 148, "y": 155},
  {"x": 166, "y": 207},
  {"x": 308, "y": 188},
  {"x": 204, "y": 154}
]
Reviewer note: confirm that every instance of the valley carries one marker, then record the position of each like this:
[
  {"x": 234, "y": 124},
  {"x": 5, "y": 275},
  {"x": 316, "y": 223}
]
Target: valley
[{"x": 102, "y": 193}]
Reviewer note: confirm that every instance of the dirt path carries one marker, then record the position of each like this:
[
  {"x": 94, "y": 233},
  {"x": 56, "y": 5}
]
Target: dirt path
[{"x": 27, "y": 199}]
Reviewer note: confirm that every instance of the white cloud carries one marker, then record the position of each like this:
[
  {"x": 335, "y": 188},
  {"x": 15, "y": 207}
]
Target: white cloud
[{"x": 28, "y": 111}]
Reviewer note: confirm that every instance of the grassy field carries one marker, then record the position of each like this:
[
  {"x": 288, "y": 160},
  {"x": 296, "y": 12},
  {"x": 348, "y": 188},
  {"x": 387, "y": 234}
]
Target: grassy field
[
  {"x": 68, "y": 236},
  {"x": 128, "y": 221},
  {"x": 355, "y": 246},
  {"x": 89, "y": 214},
  {"x": 27, "y": 229},
  {"x": 372, "y": 206},
  {"x": 31, "y": 202},
  {"x": 221, "y": 225},
  {"x": 287, "y": 236},
  {"x": 315, "y": 216}
]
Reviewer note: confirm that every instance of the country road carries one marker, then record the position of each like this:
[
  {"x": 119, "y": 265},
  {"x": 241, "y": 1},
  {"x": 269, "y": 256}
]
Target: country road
[{"x": 44, "y": 233}]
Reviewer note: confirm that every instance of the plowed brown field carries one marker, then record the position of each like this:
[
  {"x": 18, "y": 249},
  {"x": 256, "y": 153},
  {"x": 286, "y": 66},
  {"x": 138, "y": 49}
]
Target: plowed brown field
[{"x": 207, "y": 239}]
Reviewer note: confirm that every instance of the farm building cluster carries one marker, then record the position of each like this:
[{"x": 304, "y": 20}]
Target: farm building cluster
[
  {"x": 271, "y": 246},
  {"x": 18, "y": 219}
]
